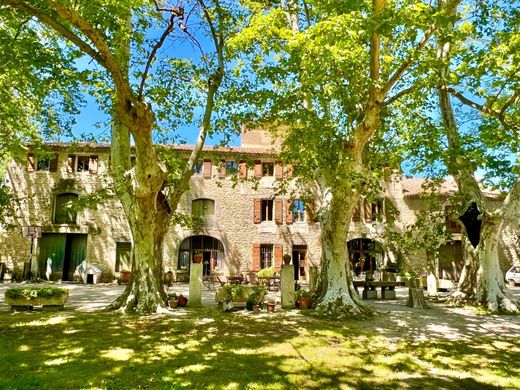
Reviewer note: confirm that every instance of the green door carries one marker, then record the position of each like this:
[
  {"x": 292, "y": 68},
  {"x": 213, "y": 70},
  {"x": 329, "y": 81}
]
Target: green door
[
  {"x": 52, "y": 253},
  {"x": 63, "y": 253},
  {"x": 75, "y": 253}
]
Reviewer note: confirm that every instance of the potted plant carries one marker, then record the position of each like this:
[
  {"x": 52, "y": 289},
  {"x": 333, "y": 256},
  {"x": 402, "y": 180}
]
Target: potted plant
[
  {"x": 303, "y": 299},
  {"x": 172, "y": 300},
  {"x": 197, "y": 257},
  {"x": 286, "y": 258},
  {"x": 256, "y": 296},
  {"x": 182, "y": 300},
  {"x": 31, "y": 296}
]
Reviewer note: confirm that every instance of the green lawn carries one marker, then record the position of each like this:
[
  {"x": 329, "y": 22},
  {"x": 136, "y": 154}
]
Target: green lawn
[{"x": 209, "y": 349}]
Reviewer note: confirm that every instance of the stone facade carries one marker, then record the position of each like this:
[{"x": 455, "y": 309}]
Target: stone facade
[{"x": 244, "y": 224}]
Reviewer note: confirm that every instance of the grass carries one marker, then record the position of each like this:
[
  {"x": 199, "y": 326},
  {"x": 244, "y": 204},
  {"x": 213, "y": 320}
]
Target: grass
[{"x": 209, "y": 349}]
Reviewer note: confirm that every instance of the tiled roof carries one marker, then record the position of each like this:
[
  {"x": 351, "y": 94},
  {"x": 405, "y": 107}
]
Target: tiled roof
[
  {"x": 182, "y": 148},
  {"x": 413, "y": 187}
]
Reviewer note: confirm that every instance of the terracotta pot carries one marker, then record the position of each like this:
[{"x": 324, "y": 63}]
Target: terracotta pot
[
  {"x": 256, "y": 308},
  {"x": 270, "y": 307},
  {"x": 287, "y": 260},
  {"x": 182, "y": 301},
  {"x": 174, "y": 303},
  {"x": 305, "y": 303},
  {"x": 197, "y": 259}
]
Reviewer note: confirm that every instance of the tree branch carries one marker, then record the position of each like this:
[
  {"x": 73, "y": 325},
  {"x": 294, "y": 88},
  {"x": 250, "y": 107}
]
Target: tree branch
[
  {"x": 399, "y": 95},
  {"x": 159, "y": 43},
  {"x": 99, "y": 42},
  {"x": 55, "y": 25},
  {"x": 396, "y": 76}
]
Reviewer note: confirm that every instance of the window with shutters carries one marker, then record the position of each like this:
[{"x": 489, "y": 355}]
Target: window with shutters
[
  {"x": 83, "y": 163},
  {"x": 298, "y": 210},
  {"x": 266, "y": 256},
  {"x": 267, "y": 210},
  {"x": 203, "y": 210},
  {"x": 42, "y": 164},
  {"x": 64, "y": 212}
]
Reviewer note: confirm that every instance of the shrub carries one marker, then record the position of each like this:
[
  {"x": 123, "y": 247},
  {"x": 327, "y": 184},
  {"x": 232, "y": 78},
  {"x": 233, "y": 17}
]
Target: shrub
[
  {"x": 266, "y": 272},
  {"x": 302, "y": 294},
  {"x": 256, "y": 294},
  {"x": 35, "y": 292}
]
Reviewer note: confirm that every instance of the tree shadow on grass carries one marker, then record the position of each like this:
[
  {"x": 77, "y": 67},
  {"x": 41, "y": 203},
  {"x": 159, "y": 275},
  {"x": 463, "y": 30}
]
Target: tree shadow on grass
[{"x": 210, "y": 349}]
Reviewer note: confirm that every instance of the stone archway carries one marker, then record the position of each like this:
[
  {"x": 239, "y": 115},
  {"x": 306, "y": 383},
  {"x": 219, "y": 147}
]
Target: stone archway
[
  {"x": 365, "y": 255},
  {"x": 210, "y": 248}
]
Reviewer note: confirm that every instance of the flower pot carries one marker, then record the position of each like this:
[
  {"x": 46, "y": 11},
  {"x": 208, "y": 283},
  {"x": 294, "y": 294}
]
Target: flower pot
[
  {"x": 287, "y": 260},
  {"x": 182, "y": 301},
  {"x": 197, "y": 259},
  {"x": 125, "y": 276},
  {"x": 256, "y": 308},
  {"x": 270, "y": 307},
  {"x": 305, "y": 303},
  {"x": 173, "y": 303}
]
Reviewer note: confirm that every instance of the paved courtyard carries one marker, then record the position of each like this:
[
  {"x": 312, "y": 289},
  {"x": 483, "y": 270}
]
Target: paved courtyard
[{"x": 396, "y": 318}]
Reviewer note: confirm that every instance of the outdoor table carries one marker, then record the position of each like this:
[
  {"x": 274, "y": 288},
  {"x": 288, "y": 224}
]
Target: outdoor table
[{"x": 371, "y": 286}]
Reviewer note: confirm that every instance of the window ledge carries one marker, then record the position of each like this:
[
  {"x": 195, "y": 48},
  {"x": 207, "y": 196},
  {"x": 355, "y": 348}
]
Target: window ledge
[
  {"x": 299, "y": 227},
  {"x": 267, "y": 227}
]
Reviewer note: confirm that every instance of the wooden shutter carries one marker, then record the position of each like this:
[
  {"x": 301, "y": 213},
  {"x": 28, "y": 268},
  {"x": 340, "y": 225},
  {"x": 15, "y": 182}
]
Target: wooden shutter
[
  {"x": 207, "y": 169},
  {"x": 368, "y": 211},
  {"x": 278, "y": 170},
  {"x": 278, "y": 257},
  {"x": 242, "y": 169},
  {"x": 310, "y": 209},
  {"x": 289, "y": 218},
  {"x": 256, "y": 257},
  {"x": 53, "y": 165},
  {"x": 222, "y": 169},
  {"x": 257, "y": 212},
  {"x": 93, "y": 164},
  {"x": 278, "y": 215},
  {"x": 31, "y": 162},
  {"x": 71, "y": 161},
  {"x": 356, "y": 213},
  {"x": 288, "y": 170},
  {"x": 258, "y": 169}
]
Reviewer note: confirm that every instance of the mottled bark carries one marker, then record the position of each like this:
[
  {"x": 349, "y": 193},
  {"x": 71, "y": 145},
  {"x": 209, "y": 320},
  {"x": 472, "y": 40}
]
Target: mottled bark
[{"x": 481, "y": 282}]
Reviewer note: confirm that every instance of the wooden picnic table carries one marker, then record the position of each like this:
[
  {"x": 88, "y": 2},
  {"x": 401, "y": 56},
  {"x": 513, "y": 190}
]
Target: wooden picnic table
[{"x": 369, "y": 288}]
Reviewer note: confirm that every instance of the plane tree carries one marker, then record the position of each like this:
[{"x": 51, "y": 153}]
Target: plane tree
[
  {"x": 326, "y": 74},
  {"x": 152, "y": 68},
  {"x": 469, "y": 127}
]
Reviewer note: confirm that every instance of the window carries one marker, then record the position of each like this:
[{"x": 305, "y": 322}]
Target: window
[
  {"x": 123, "y": 260},
  {"x": 43, "y": 164},
  {"x": 268, "y": 168},
  {"x": 64, "y": 209},
  {"x": 231, "y": 168},
  {"x": 82, "y": 164},
  {"x": 266, "y": 256},
  {"x": 197, "y": 168},
  {"x": 452, "y": 224},
  {"x": 267, "y": 210},
  {"x": 298, "y": 210},
  {"x": 203, "y": 210}
]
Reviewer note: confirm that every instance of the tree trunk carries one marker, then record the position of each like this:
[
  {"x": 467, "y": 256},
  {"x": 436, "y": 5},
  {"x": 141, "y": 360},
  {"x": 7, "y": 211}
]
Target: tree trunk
[
  {"x": 337, "y": 297},
  {"x": 431, "y": 273}
]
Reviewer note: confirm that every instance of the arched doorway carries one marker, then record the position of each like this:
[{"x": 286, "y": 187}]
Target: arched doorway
[
  {"x": 365, "y": 255},
  {"x": 210, "y": 248}
]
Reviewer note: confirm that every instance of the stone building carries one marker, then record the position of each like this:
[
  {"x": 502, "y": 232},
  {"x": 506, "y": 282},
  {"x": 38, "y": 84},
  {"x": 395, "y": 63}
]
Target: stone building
[{"x": 242, "y": 223}]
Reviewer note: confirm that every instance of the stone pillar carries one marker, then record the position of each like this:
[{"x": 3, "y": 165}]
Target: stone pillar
[
  {"x": 313, "y": 278},
  {"x": 287, "y": 286},
  {"x": 195, "y": 293}
]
